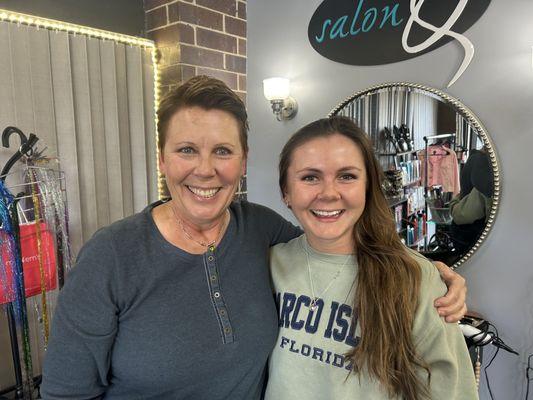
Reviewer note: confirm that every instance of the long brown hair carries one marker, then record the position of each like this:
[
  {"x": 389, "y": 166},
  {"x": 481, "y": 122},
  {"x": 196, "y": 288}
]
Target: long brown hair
[{"x": 388, "y": 278}]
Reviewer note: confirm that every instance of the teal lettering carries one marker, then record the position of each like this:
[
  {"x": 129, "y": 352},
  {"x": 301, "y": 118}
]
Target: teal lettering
[
  {"x": 355, "y": 18},
  {"x": 390, "y": 14},
  {"x": 337, "y": 29},
  {"x": 370, "y": 13},
  {"x": 324, "y": 26}
]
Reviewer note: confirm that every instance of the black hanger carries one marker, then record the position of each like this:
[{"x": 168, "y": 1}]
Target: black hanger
[{"x": 26, "y": 146}]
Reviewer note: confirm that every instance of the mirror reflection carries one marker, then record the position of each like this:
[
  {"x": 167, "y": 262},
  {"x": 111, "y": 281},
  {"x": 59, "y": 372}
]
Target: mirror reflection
[{"x": 441, "y": 171}]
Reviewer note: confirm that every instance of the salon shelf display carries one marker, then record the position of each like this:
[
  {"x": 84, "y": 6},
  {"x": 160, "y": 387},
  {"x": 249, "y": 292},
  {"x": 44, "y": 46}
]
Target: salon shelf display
[{"x": 416, "y": 130}]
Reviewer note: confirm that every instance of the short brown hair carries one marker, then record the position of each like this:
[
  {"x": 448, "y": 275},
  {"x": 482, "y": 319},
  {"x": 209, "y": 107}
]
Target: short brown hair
[{"x": 205, "y": 92}]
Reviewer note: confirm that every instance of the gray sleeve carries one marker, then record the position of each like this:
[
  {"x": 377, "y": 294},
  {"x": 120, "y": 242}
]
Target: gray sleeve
[
  {"x": 282, "y": 230},
  {"x": 441, "y": 345},
  {"x": 84, "y": 326}
]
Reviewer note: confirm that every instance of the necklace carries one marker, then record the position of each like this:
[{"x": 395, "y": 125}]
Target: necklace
[
  {"x": 313, "y": 305},
  {"x": 189, "y": 236}
]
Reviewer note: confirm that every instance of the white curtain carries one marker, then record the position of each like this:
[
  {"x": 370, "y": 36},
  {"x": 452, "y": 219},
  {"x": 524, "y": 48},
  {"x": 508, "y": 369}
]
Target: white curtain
[{"x": 91, "y": 102}]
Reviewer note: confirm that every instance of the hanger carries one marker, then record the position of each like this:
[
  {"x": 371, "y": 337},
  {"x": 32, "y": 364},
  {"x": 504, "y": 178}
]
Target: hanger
[
  {"x": 26, "y": 147},
  {"x": 439, "y": 145}
]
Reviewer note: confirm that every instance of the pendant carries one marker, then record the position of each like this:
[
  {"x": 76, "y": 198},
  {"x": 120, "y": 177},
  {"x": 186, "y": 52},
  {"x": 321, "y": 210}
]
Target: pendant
[{"x": 313, "y": 306}]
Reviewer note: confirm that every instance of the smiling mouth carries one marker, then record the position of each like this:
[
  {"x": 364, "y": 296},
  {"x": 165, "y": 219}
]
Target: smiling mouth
[
  {"x": 204, "y": 193},
  {"x": 326, "y": 213}
]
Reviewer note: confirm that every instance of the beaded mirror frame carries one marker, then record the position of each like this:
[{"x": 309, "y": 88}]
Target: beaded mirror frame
[{"x": 474, "y": 123}]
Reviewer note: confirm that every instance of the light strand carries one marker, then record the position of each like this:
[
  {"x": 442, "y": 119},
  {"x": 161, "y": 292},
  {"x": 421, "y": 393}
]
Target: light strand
[{"x": 31, "y": 20}]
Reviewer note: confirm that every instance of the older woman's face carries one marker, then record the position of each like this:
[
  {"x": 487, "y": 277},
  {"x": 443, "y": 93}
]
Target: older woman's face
[{"x": 203, "y": 161}]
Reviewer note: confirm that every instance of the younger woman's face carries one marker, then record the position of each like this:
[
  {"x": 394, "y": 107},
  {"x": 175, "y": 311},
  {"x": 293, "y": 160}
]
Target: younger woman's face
[{"x": 326, "y": 190}]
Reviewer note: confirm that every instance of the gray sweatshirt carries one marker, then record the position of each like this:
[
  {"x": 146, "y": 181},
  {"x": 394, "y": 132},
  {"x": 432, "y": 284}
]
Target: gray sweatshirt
[{"x": 308, "y": 361}]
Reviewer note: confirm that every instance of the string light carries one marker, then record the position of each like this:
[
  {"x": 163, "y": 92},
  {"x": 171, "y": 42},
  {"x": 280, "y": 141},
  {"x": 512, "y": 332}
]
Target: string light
[
  {"x": 31, "y": 20},
  {"x": 39, "y": 22},
  {"x": 160, "y": 182}
]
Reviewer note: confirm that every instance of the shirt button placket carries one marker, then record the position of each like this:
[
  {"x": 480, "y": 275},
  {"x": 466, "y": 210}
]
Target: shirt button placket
[{"x": 216, "y": 293}]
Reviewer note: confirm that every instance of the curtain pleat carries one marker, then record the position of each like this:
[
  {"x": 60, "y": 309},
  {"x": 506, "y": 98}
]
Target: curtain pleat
[
  {"x": 149, "y": 125},
  {"x": 84, "y": 139},
  {"x": 124, "y": 129},
  {"x": 111, "y": 129},
  {"x": 22, "y": 98},
  {"x": 98, "y": 133},
  {"x": 41, "y": 89},
  {"x": 63, "y": 99},
  {"x": 136, "y": 128}
]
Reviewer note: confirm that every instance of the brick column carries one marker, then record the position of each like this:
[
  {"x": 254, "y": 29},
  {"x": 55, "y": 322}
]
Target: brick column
[{"x": 200, "y": 37}]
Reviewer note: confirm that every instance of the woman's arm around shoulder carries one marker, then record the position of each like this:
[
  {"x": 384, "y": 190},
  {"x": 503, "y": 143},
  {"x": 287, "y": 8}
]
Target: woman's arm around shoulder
[{"x": 269, "y": 221}]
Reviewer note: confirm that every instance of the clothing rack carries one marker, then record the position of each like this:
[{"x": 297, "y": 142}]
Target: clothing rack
[
  {"x": 26, "y": 147},
  {"x": 426, "y": 176}
]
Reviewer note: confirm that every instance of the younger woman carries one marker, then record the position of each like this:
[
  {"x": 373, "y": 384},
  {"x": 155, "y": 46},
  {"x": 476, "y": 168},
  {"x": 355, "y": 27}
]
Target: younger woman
[{"x": 356, "y": 308}]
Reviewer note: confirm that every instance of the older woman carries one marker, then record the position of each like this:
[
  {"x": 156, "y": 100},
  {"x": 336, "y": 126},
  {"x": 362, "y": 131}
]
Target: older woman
[{"x": 175, "y": 302}]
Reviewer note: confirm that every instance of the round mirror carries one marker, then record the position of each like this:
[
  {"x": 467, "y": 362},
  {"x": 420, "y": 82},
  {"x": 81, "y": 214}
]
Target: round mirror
[{"x": 441, "y": 169}]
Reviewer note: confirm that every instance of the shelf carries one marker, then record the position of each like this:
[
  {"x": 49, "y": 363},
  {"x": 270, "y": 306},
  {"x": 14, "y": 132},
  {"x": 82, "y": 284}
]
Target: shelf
[
  {"x": 394, "y": 201},
  {"x": 415, "y": 211},
  {"x": 418, "y": 242},
  {"x": 403, "y": 153},
  {"x": 440, "y": 222},
  {"x": 413, "y": 183}
]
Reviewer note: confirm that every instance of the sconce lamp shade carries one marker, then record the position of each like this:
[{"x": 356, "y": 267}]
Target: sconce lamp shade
[{"x": 276, "y": 88}]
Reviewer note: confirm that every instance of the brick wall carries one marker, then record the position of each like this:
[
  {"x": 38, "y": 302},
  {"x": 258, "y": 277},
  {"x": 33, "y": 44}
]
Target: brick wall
[{"x": 197, "y": 37}]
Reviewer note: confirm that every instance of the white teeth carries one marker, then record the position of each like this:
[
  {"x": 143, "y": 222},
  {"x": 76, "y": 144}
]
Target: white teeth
[
  {"x": 206, "y": 193},
  {"x": 322, "y": 213}
]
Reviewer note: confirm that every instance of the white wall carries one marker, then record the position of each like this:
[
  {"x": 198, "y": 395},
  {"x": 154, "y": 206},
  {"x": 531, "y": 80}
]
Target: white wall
[{"x": 497, "y": 87}]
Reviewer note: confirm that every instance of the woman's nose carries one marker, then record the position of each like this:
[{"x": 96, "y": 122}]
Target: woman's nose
[
  {"x": 329, "y": 192},
  {"x": 205, "y": 167}
]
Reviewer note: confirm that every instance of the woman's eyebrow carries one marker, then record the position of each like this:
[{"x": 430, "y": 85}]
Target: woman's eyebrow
[
  {"x": 309, "y": 169},
  {"x": 344, "y": 169}
]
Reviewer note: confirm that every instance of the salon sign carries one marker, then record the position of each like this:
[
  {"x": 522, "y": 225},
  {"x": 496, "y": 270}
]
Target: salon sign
[{"x": 375, "y": 32}]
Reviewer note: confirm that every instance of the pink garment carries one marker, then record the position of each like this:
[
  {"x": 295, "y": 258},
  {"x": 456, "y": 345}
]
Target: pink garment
[{"x": 443, "y": 168}]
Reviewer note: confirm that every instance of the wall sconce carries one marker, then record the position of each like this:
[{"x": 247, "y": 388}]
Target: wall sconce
[{"x": 277, "y": 91}]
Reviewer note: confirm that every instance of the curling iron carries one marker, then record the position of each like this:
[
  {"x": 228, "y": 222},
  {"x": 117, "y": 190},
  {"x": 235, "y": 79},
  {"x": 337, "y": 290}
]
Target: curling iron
[{"x": 481, "y": 338}]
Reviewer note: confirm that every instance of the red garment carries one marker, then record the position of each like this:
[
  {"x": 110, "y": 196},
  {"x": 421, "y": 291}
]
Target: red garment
[{"x": 443, "y": 168}]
